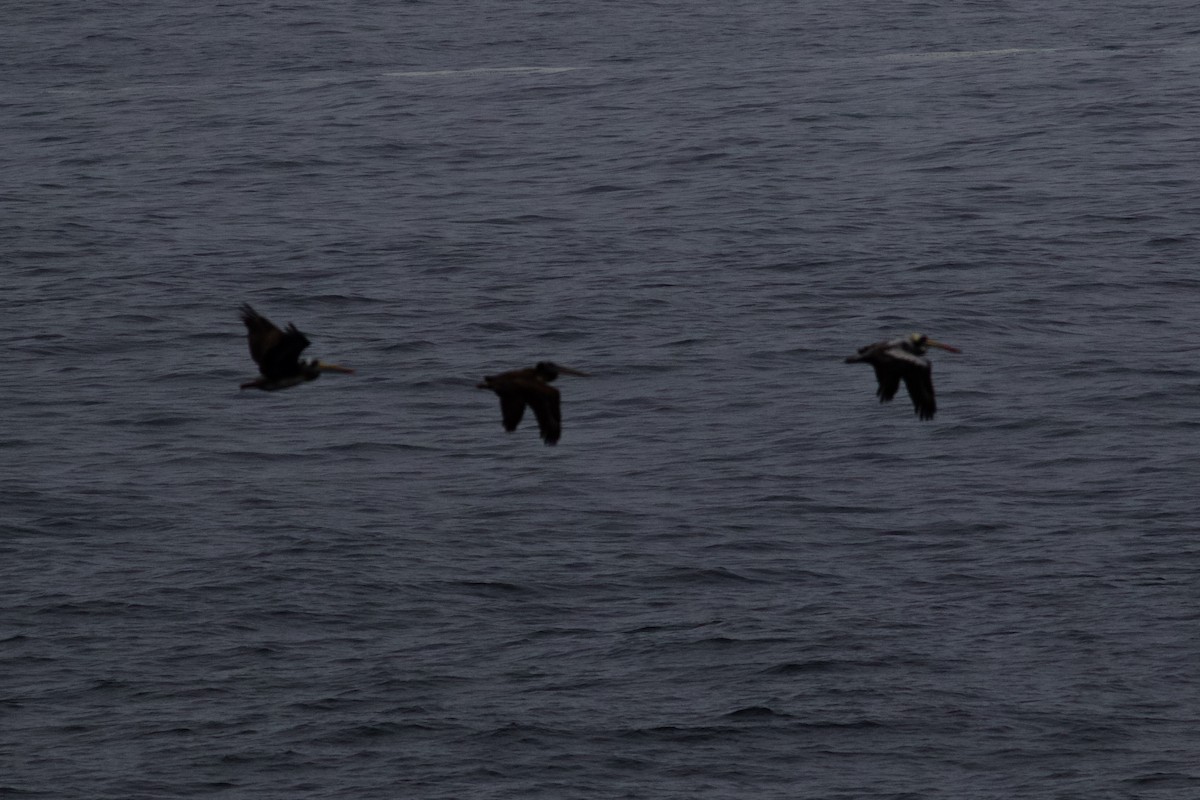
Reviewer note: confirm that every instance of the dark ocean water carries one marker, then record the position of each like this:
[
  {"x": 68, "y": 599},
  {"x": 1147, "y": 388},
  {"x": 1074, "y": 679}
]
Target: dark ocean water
[{"x": 738, "y": 575}]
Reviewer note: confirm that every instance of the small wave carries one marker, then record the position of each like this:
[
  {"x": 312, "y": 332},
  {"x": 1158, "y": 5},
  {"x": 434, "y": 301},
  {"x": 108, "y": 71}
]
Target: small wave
[
  {"x": 756, "y": 712},
  {"x": 679, "y": 733},
  {"x": 1161, "y": 778},
  {"x": 494, "y": 588},
  {"x": 945, "y": 55},
  {"x": 820, "y": 665},
  {"x": 689, "y": 575},
  {"x": 848, "y": 725},
  {"x": 520, "y": 732},
  {"x": 1169, "y": 241},
  {"x": 479, "y": 71}
]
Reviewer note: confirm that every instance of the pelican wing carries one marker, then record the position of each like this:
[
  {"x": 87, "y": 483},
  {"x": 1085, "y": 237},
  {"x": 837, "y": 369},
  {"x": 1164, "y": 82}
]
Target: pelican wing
[
  {"x": 512, "y": 408},
  {"x": 544, "y": 400},
  {"x": 917, "y": 373},
  {"x": 919, "y": 382},
  {"x": 283, "y": 357},
  {"x": 889, "y": 381},
  {"x": 261, "y": 333},
  {"x": 276, "y": 352}
]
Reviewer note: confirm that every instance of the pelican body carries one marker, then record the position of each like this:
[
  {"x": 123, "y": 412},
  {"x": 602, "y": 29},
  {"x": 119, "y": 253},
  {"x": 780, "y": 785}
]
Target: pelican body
[
  {"x": 277, "y": 353},
  {"x": 904, "y": 359},
  {"x": 531, "y": 387}
]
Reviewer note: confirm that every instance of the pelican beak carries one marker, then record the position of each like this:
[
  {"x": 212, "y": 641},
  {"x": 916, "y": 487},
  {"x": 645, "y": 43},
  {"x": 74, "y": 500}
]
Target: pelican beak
[
  {"x": 569, "y": 371},
  {"x": 321, "y": 365},
  {"x": 946, "y": 347}
]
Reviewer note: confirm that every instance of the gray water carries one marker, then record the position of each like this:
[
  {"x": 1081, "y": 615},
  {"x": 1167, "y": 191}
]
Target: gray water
[{"x": 738, "y": 575}]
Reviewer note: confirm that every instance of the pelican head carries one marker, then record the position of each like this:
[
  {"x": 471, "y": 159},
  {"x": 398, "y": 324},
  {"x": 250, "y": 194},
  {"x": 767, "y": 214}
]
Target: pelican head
[
  {"x": 548, "y": 371},
  {"x": 313, "y": 369},
  {"x": 324, "y": 367},
  {"x": 919, "y": 342}
]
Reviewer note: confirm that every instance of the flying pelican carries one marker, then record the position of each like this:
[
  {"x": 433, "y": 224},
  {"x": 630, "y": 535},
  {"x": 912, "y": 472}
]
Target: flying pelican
[
  {"x": 277, "y": 354},
  {"x": 903, "y": 358},
  {"x": 531, "y": 386}
]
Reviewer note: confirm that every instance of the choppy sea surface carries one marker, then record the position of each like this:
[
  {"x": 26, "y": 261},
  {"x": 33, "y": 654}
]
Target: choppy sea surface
[{"x": 738, "y": 575}]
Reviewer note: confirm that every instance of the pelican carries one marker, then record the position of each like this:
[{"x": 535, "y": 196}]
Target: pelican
[
  {"x": 531, "y": 387},
  {"x": 903, "y": 358},
  {"x": 277, "y": 354}
]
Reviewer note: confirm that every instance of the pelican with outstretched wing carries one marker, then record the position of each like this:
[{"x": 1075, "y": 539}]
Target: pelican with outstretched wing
[
  {"x": 531, "y": 387},
  {"x": 904, "y": 359},
  {"x": 277, "y": 353}
]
